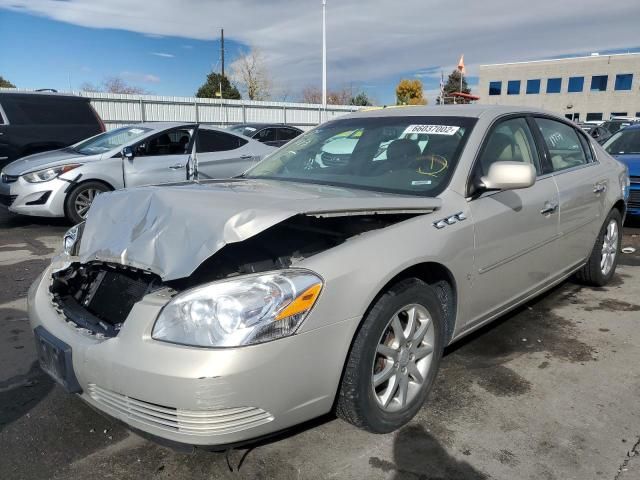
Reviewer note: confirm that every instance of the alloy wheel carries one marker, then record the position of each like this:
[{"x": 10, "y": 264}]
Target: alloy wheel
[
  {"x": 403, "y": 358},
  {"x": 609, "y": 247},
  {"x": 83, "y": 201}
]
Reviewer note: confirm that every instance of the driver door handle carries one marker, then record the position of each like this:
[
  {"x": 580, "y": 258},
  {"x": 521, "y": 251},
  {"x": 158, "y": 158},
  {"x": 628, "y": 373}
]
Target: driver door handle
[
  {"x": 549, "y": 208},
  {"x": 177, "y": 166},
  {"x": 245, "y": 157},
  {"x": 599, "y": 188}
]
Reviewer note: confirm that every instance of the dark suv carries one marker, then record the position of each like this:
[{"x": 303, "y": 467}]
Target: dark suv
[{"x": 37, "y": 122}]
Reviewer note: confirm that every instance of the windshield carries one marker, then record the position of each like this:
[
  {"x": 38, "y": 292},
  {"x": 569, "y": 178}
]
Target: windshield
[
  {"x": 624, "y": 142},
  {"x": 408, "y": 155},
  {"x": 110, "y": 140}
]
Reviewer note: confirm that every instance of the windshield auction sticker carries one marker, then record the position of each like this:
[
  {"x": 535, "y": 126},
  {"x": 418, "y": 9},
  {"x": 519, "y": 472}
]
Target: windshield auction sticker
[{"x": 431, "y": 129}]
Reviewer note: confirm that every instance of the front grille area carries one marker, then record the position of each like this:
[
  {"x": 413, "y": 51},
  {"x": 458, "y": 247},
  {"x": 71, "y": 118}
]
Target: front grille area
[
  {"x": 191, "y": 422},
  {"x": 634, "y": 198},
  {"x": 7, "y": 200},
  {"x": 99, "y": 296}
]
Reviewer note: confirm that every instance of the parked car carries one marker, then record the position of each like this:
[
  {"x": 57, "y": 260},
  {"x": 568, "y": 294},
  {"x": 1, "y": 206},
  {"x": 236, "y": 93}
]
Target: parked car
[
  {"x": 612, "y": 126},
  {"x": 275, "y": 135},
  {"x": 625, "y": 146},
  {"x": 217, "y": 312},
  {"x": 600, "y": 134},
  {"x": 63, "y": 183},
  {"x": 37, "y": 121}
]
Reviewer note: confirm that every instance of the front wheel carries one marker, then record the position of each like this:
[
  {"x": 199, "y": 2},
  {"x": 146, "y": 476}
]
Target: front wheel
[
  {"x": 601, "y": 265},
  {"x": 394, "y": 358},
  {"x": 78, "y": 201}
]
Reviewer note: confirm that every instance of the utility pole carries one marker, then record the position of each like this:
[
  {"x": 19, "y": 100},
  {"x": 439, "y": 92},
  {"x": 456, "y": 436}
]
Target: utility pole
[
  {"x": 222, "y": 49},
  {"x": 324, "y": 56}
]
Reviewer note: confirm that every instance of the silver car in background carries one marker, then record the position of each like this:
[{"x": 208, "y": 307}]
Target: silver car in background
[
  {"x": 65, "y": 182},
  {"x": 215, "y": 312}
]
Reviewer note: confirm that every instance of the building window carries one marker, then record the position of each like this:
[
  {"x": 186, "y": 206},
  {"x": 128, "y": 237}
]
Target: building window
[
  {"x": 533, "y": 86},
  {"x": 576, "y": 84},
  {"x": 594, "y": 117},
  {"x": 623, "y": 81},
  {"x": 554, "y": 85},
  {"x": 513, "y": 87},
  {"x": 599, "y": 83},
  {"x": 618, "y": 114},
  {"x": 495, "y": 88}
]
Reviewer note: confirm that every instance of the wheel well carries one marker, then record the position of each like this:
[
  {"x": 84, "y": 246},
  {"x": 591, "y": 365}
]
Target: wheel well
[
  {"x": 442, "y": 280},
  {"x": 621, "y": 207},
  {"x": 106, "y": 184}
]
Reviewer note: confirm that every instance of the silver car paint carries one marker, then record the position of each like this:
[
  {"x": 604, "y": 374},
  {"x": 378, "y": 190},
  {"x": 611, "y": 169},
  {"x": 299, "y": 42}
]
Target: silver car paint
[
  {"x": 110, "y": 168},
  {"x": 499, "y": 250}
]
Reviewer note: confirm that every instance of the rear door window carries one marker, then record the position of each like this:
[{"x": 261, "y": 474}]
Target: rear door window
[
  {"x": 49, "y": 110},
  {"x": 562, "y": 141},
  {"x": 214, "y": 141},
  {"x": 286, "y": 134},
  {"x": 266, "y": 135}
]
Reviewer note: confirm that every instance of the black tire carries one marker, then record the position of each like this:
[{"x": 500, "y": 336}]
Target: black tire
[
  {"x": 591, "y": 273},
  {"x": 356, "y": 403},
  {"x": 83, "y": 188}
]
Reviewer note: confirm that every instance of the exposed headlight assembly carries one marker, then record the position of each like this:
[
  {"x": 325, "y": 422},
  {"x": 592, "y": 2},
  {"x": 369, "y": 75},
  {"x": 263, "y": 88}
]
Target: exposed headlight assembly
[
  {"x": 243, "y": 311},
  {"x": 71, "y": 239},
  {"x": 48, "y": 173}
]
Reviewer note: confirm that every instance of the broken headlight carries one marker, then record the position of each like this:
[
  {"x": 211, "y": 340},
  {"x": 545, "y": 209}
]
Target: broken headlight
[
  {"x": 71, "y": 239},
  {"x": 242, "y": 311}
]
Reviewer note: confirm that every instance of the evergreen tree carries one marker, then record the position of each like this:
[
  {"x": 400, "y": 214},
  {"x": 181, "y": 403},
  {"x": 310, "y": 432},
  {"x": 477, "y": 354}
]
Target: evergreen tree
[
  {"x": 362, "y": 100},
  {"x": 6, "y": 83},
  {"x": 211, "y": 88},
  {"x": 453, "y": 86}
]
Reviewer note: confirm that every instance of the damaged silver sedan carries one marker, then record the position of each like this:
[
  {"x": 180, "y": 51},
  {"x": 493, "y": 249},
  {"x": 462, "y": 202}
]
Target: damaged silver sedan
[{"x": 324, "y": 279}]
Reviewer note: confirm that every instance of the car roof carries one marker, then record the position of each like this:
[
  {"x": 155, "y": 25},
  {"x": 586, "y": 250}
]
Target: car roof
[
  {"x": 473, "y": 111},
  {"x": 263, "y": 125},
  {"x": 24, "y": 94},
  {"x": 633, "y": 126}
]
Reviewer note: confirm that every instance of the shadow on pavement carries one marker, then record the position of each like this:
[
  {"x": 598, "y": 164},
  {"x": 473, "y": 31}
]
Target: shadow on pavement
[
  {"x": 20, "y": 393},
  {"x": 418, "y": 455}
]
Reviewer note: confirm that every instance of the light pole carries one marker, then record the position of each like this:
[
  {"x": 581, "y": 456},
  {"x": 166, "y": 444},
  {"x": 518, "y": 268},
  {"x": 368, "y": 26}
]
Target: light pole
[{"x": 324, "y": 57}]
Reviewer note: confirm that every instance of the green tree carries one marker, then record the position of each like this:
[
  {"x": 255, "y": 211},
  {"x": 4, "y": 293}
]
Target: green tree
[
  {"x": 211, "y": 88},
  {"x": 6, "y": 83},
  {"x": 410, "y": 92},
  {"x": 453, "y": 86},
  {"x": 361, "y": 99}
]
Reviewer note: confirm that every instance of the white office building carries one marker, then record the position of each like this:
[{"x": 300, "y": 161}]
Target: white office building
[{"x": 596, "y": 87}]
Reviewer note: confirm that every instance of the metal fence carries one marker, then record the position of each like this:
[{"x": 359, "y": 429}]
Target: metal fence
[{"x": 118, "y": 109}]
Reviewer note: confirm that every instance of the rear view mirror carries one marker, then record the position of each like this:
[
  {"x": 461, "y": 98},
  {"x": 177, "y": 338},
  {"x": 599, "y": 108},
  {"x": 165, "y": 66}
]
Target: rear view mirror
[
  {"x": 128, "y": 153},
  {"x": 509, "y": 176}
]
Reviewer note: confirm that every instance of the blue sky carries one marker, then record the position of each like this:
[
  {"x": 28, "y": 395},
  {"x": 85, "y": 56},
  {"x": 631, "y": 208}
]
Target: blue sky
[{"x": 51, "y": 43}]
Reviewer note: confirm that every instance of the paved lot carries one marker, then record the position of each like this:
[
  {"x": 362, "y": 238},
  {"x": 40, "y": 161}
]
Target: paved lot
[{"x": 549, "y": 392}]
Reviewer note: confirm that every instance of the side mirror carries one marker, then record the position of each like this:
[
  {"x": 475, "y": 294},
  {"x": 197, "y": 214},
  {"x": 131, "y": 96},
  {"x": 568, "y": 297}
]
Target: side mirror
[
  {"x": 509, "y": 176},
  {"x": 128, "y": 153}
]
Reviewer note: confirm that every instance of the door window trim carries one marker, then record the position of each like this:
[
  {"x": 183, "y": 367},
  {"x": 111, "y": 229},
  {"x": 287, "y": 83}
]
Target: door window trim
[
  {"x": 483, "y": 144},
  {"x": 579, "y": 132}
]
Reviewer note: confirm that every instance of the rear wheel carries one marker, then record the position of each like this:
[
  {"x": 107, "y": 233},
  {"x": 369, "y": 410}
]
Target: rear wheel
[
  {"x": 602, "y": 263},
  {"x": 394, "y": 359},
  {"x": 78, "y": 201}
]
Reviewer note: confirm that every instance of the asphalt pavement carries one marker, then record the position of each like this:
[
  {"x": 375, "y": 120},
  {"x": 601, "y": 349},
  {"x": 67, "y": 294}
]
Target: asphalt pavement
[{"x": 547, "y": 392}]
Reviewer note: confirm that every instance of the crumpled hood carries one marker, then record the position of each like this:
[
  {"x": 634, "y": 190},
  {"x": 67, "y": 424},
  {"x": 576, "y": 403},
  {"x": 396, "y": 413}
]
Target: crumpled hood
[
  {"x": 39, "y": 161},
  {"x": 171, "y": 229}
]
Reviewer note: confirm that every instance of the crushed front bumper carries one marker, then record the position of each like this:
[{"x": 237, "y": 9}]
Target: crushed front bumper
[{"x": 199, "y": 396}]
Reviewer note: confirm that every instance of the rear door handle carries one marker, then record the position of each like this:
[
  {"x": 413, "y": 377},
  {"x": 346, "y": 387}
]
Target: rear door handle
[
  {"x": 549, "y": 208},
  {"x": 245, "y": 157},
  {"x": 599, "y": 188},
  {"x": 177, "y": 166}
]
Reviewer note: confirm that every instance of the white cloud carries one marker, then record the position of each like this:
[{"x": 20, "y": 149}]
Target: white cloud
[
  {"x": 369, "y": 40},
  {"x": 140, "y": 77},
  {"x": 163, "y": 54}
]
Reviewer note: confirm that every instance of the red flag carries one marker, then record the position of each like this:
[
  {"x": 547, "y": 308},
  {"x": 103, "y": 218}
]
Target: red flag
[{"x": 461, "y": 65}]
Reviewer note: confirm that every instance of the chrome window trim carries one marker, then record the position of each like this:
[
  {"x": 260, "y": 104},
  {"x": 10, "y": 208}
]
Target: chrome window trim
[{"x": 4, "y": 116}]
